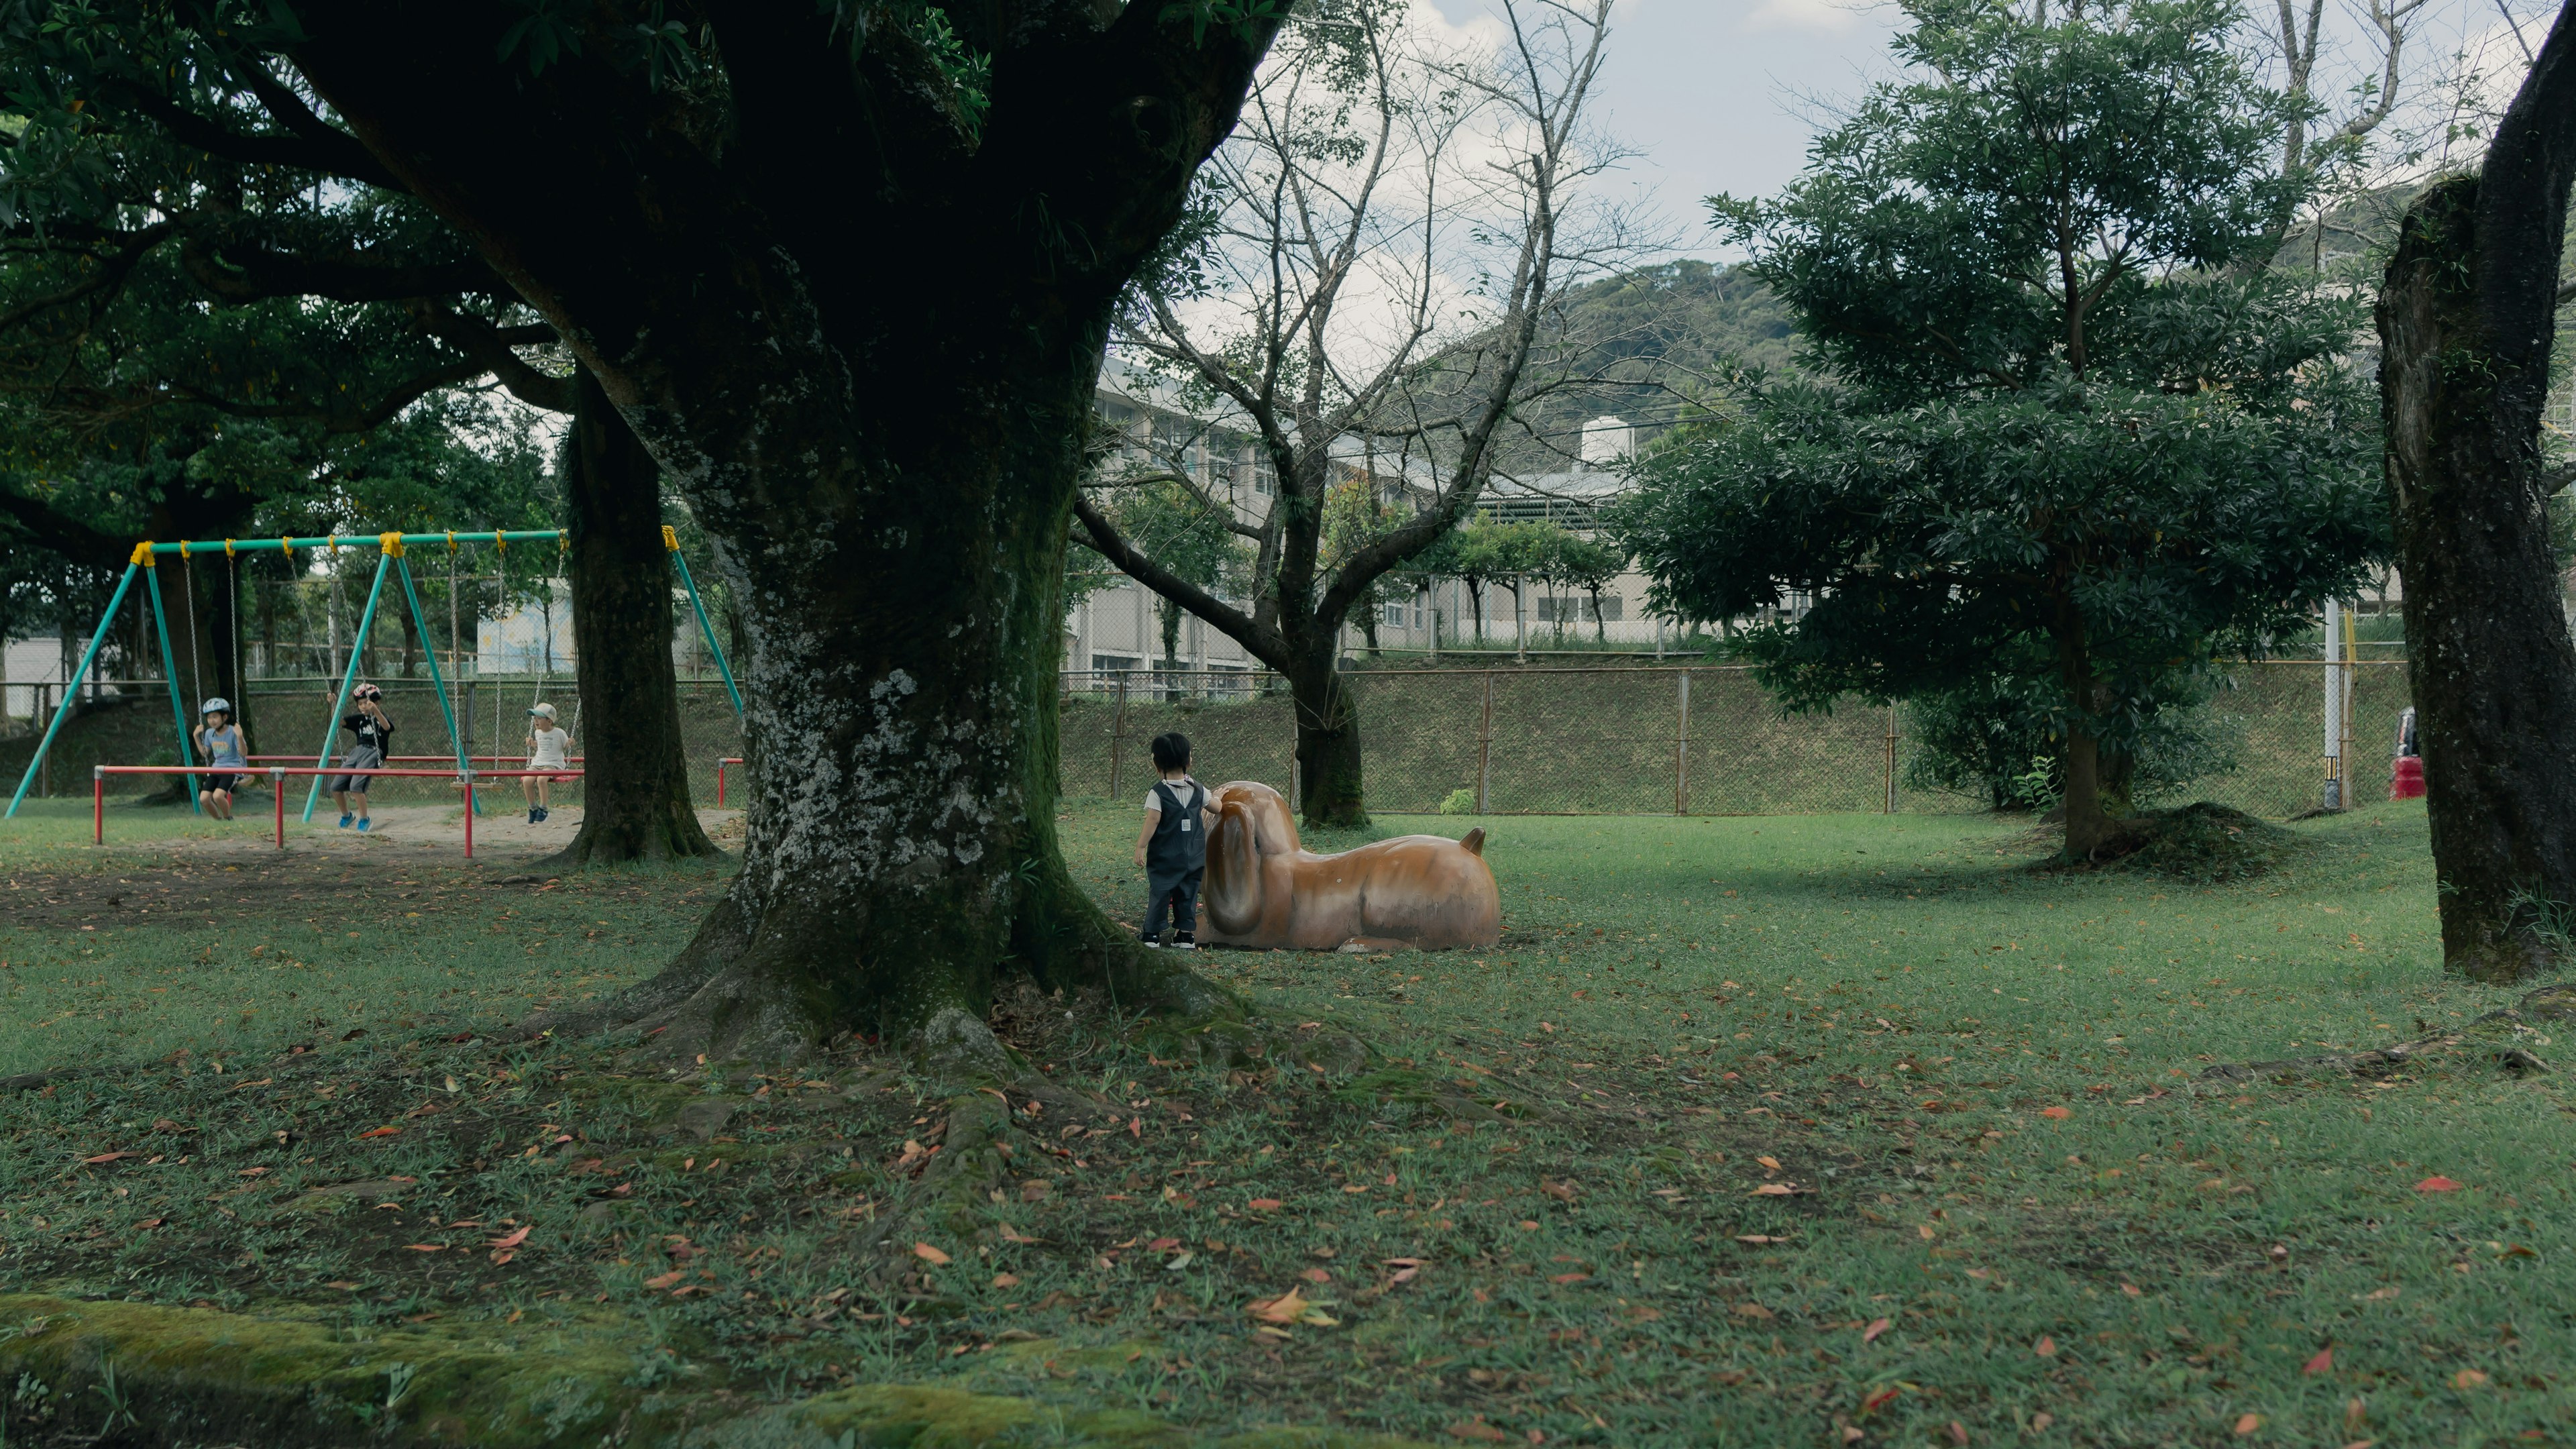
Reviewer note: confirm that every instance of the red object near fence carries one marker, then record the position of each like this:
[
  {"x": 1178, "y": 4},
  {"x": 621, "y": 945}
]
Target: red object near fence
[
  {"x": 2406, "y": 782},
  {"x": 721, "y": 762}
]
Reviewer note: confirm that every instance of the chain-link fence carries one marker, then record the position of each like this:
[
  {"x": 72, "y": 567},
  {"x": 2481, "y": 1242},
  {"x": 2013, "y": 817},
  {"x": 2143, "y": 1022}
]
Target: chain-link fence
[{"x": 1697, "y": 741}]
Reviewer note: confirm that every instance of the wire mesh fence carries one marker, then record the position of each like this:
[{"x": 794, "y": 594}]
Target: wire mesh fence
[{"x": 1699, "y": 741}]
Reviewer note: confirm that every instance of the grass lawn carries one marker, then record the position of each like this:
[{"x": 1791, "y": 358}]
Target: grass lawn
[{"x": 1754, "y": 1131}]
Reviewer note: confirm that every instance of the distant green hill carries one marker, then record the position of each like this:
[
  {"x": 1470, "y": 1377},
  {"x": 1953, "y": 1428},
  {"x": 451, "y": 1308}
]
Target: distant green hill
[{"x": 1643, "y": 346}]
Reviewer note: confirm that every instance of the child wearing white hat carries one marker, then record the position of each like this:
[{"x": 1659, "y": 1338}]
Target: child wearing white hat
[
  {"x": 549, "y": 748},
  {"x": 225, "y": 747}
]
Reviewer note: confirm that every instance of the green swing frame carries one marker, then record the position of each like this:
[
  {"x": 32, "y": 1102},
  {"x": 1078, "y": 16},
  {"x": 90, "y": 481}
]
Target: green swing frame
[{"x": 391, "y": 548}]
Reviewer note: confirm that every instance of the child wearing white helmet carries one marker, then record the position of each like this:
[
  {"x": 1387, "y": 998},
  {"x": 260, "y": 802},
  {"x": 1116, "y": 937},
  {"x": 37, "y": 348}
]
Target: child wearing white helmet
[
  {"x": 549, "y": 748},
  {"x": 224, "y": 746}
]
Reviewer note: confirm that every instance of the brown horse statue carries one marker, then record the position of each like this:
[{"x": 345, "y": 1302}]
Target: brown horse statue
[{"x": 1266, "y": 890}]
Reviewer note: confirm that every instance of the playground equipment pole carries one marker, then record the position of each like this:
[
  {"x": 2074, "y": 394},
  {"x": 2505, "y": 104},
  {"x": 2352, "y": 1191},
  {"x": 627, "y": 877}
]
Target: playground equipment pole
[
  {"x": 348, "y": 681},
  {"x": 671, "y": 542},
  {"x": 394, "y": 550},
  {"x": 170, "y": 672},
  {"x": 88, "y": 657}
]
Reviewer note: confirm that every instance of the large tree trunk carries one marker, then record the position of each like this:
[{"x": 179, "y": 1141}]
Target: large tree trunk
[
  {"x": 2090, "y": 826},
  {"x": 884, "y": 468},
  {"x": 1329, "y": 777},
  {"x": 635, "y": 770},
  {"x": 2462, "y": 376}
]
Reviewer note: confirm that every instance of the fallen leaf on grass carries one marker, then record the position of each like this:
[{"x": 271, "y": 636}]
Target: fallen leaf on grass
[
  {"x": 2060, "y": 1113},
  {"x": 2322, "y": 1363},
  {"x": 930, "y": 1255},
  {"x": 1876, "y": 1327},
  {"x": 1751, "y": 1310},
  {"x": 2378, "y": 1295},
  {"x": 1480, "y": 1431},
  {"x": 426, "y": 1247},
  {"x": 1006, "y": 1280},
  {"x": 381, "y": 1132},
  {"x": 1773, "y": 1189},
  {"x": 2046, "y": 1347},
  {"x": 1926, "y": 1231},
  {"x": 1289, "y": 1307},
  {"x": 1264, "y": 1204},
  {"x": 1011, "y": 1234},
  {"x": 2468, "y": 1379},
  {"x": 104, "y": 1157},
  {"x": 2133, "y": 1290},
  {"x": 2040, "y": 1421},
  {"x": 665, "y": 1280},
  {"x": 2437, "y": 1184},
  {"x": 1316, "y": 1275},
  {"x": 1758, "y": 1238},
  {"x": 2248, "y": 1423},
  {"x": 1878, "y": 1399},
  {"x": 1958, "y": 1432},
  {"x": 1772, "y": 1163},
  {"x": 1564, "y": 1278},
  {"x": 511, "y": 1239}
]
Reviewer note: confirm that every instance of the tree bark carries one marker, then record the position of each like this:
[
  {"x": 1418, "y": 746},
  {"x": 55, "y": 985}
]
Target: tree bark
[
  {"x": 2090, "y": 827},
  {"x": 864, "y": 344},
  {"x": 635, "y": 770},
  {"x": 2463, "y": 373},
  {"x": 1330, "y": 779}
]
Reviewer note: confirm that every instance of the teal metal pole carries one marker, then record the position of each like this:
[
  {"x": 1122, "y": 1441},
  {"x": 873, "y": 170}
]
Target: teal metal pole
[
  {"x": 348, "y": 681},
  {"x": 709, "y": 630},
  {"x": 71, "y": 686},
  {"x": 170, "y": 671},
  {"x": 362, "y": 540},
  {"x": 412, "y": 596}
]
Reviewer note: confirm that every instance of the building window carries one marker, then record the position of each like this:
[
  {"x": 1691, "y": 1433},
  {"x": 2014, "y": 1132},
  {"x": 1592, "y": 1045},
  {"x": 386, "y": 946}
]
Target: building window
[
  {"x": 1265, "y": 478},
  {"x": 1113, "y": 663}
]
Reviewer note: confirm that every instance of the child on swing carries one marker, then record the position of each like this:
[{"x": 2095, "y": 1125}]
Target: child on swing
[
  {"x": 370, "y": 731},
  {"x": 549, "y": 748},
  {"x": 224, "y": 746}
]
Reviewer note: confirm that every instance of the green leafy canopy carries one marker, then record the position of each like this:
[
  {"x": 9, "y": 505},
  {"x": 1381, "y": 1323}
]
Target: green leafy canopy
[{"x": 2063, "y": 427}]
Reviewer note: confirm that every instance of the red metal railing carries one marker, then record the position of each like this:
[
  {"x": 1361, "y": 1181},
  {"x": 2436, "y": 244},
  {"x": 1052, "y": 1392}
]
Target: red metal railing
[
  {"x": 721, "y": 762},
  {"x": 277, "y": 775}
]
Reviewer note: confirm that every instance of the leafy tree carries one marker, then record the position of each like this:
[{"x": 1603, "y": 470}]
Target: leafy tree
[
  {"x": 2062, "y": 412},
  {"x": 707, "y": 214},
  {"x": 1998, "y": 738},
  {"x": 215, "y": 302},
  {"x": 1365, "y": 170},
  {"x": 1569, "y": 560},
  {"x": 2467, "y": 325},
  {"x": 1187, "y": 537}
]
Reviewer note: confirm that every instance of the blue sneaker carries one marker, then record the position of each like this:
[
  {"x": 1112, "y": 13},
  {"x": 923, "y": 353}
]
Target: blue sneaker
[
  {"x": 363, "y": 824},
  {"x": 345, "y": 819}
]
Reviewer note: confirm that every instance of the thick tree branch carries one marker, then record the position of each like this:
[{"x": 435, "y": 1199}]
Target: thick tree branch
[
  {"x": 110, "y": 274},
  {"x": 337, "y": 418},
  {"x": 242, "y": 274},
  {"x": 496, "y": 349},
  {"x": 48, "y": 527},
  {"x": 1230, "y": 621},
  {"x": 327, "y": 151}
]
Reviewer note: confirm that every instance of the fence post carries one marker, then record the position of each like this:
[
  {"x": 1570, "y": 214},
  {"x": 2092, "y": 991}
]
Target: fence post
[
  {"x": 1681, "y": 747},
  {"x": 1485, "y": 745},
  {"x": 1117, "y": 733},
  {"x": 1891, "y": 759}
]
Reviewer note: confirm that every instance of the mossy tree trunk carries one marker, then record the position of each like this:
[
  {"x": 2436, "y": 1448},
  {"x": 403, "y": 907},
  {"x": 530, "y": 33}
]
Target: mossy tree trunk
[
  {"x": 635, "y": 769},
  {"x": 871, "y": 381},
  {"x": 2467, "y": 320}
]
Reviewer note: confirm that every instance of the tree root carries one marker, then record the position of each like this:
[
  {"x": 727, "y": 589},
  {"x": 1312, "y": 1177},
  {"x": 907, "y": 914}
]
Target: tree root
[{"x": 2505, "y": 1039}]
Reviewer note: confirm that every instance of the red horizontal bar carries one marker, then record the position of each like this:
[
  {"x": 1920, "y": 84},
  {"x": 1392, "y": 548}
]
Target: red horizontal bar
[
  {"x": 475, "y": 758},
  {"x": 312, "y": 770}
]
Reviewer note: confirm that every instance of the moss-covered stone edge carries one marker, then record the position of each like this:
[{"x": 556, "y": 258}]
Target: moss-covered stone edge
[{"x": 169, "y": 1375}]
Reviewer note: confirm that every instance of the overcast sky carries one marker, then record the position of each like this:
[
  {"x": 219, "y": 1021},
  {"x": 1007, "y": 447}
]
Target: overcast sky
[
  {"x": 1712, "y": 92},
  {"x": 1719, "y": 95}
]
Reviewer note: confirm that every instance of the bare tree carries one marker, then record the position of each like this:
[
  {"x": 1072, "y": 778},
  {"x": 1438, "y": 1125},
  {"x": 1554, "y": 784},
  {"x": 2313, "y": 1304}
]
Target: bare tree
[{"x": 1370, "y": 297}]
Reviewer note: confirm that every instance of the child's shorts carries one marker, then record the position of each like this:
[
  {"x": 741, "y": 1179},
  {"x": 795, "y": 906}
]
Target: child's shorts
[{"x": 225, "y": 783}]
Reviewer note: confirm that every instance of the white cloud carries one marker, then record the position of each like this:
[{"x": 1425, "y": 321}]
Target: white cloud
[{"x": 1828, "y": 17}]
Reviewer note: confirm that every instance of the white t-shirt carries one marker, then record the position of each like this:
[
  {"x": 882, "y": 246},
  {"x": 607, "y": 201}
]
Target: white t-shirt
[
  {"x": 549, "y": 750},
  {"x": 1182, "y": 788}
]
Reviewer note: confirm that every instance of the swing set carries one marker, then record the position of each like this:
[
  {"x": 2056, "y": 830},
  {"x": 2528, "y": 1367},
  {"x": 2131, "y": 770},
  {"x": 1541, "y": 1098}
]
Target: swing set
[{"x": 391, "y": 561}]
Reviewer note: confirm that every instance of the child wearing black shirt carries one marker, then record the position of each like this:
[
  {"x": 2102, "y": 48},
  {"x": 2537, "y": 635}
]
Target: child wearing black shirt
[{"x": 371, "y": 731}]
